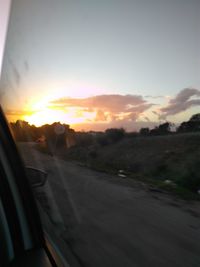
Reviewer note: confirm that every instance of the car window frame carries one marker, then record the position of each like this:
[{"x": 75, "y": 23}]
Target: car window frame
[{"x": 9, "y": 153}]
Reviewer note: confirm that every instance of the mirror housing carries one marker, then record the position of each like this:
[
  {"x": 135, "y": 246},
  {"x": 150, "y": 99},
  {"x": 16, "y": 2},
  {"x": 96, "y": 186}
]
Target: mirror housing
[{"x": 36, "y": 177}]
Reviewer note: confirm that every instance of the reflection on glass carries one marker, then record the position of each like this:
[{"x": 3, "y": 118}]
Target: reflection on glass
[{"x": 104, "y": 97}]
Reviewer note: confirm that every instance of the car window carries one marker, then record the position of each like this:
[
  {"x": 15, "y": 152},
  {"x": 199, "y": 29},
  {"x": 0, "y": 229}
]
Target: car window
[{"x": 102, "y": 98}]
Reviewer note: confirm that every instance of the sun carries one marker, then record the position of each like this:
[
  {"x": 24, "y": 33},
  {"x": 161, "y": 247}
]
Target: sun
[{"x": 43, "y": 113}]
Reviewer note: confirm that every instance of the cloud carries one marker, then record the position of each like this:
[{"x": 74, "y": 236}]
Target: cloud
[
  {"x": 183, "y": 101},
  {"x": 154, "y": 97},
  {"x": 18, "y": 113},
  {"x": 146, "y": 118},
  {"x": 100, "y": 116},
  {"x": 109, "y": 102},
  {"x": 113, "y": 110},
  {"x": 107, "y": 107},
  {"x": 155, "y": 112}
]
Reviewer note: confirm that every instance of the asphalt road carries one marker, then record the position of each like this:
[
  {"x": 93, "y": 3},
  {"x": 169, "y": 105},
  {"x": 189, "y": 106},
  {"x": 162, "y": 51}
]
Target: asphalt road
[{"x": 110, "y": 221}]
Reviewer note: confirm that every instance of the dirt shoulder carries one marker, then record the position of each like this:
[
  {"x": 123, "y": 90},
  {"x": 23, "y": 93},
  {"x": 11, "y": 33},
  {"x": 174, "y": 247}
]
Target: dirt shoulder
[{"x": 113, "y": 222}]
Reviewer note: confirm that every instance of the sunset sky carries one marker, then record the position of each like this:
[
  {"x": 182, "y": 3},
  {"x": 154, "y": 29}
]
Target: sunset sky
[{"x": 101, "y": 64}]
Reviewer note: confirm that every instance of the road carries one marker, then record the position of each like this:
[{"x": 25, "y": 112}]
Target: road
[{"x": 110, "y": 221}]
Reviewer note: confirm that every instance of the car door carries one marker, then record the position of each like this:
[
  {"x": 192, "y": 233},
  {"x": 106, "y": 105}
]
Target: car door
[{"x": 23, "y": 240}]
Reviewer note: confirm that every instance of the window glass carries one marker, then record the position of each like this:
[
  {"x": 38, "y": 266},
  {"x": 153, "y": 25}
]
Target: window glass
[{"x": 102, "y": 98}]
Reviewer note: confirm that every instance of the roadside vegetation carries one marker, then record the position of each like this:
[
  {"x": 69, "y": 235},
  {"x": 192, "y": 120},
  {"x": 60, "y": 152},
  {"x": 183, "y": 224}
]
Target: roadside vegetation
[
  {"x": 170, "y": 162},
  {"x": 167, "y": 160}
]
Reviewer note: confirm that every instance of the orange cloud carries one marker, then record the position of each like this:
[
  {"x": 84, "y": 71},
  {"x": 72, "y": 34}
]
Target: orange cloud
[
  {"x": 18, "y": 113},
  {"x": 107, "y": 107},
  {"x": 96, "y": 112}
]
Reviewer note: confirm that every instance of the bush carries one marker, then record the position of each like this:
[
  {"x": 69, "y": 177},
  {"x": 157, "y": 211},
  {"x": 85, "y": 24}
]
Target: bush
[
  {"x": 144, "y": 131},
  {"x": 84, "y": 139},
  {"x": 93, "y": 154},
  {"x": 102, "y": 140},
  {"x": 191, "y": 178},
  {"x": 114, "y": 135}
]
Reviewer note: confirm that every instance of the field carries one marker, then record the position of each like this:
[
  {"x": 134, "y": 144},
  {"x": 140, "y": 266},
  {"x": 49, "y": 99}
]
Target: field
[{"x": 170, "y": 162}]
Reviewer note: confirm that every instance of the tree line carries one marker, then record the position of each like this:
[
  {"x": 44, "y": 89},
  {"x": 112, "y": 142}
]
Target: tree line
[
  {"x": 24, "y": 132},
  {"x": 192, "y": 125}
]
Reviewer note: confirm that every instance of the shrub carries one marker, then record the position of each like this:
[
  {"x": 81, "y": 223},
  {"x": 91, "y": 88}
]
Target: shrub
[
  {"x": 191, "y": 177},
  {"x": 102, "y": 140},
  {"x": 84, "y": 139},
  {"x": 93, "y": 154},
  {"x": 144, "y": 131},
  {"x": 114, "y": 135}
]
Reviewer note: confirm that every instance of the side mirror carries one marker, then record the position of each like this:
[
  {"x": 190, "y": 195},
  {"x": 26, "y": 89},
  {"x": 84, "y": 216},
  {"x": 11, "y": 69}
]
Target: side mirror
[{"x": 36, "y": 177}]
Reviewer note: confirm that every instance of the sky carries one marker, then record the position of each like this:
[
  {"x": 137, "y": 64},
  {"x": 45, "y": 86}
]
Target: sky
[
  {"x": 4, "y": 11},
  {"x": 101, "y": 64}
]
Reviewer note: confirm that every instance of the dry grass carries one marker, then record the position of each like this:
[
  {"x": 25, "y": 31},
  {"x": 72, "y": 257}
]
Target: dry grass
[{"x": 152, "y": 158}]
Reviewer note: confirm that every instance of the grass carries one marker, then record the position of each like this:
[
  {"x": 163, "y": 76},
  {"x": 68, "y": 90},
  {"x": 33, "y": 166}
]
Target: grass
[
  {"x": 42, "y": 148},
  {"x": 180, "y": 191},
  {"x": 152, "y": 160}
]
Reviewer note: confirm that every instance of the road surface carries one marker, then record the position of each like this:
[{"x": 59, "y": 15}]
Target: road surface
[{"x": 109, "y": 221}]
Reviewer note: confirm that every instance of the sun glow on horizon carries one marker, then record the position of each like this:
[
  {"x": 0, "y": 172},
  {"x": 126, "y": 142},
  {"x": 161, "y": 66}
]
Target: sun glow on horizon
[
  {"x": 49, "y": 115},
  {"x": 103, "y": 111}
]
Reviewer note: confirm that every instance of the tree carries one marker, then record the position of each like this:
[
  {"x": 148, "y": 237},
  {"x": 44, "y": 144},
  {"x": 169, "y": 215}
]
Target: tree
[
  {"x": 53, "y": 138},
  {"x": 144, "y": 131},
  {"x": 23, "y": 132},
  {"x": 162, "y": 129},
  {"x": 195, "y": 117},
  {"x": 192, "y": 125}
]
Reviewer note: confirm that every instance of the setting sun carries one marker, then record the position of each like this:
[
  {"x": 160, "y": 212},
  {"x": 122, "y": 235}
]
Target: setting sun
[{"x": 47, "y": 115}]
